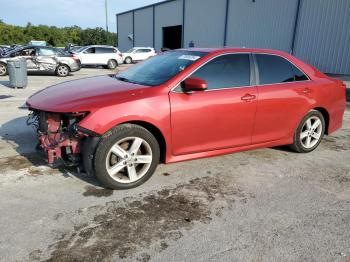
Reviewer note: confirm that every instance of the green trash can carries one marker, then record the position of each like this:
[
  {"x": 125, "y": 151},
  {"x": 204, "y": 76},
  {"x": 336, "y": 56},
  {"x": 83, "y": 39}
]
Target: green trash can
[{"x": 17, "y": 70}]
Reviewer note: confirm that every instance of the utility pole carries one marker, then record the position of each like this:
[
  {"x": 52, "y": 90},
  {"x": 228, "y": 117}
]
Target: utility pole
[{"x": 106, "y": 8}]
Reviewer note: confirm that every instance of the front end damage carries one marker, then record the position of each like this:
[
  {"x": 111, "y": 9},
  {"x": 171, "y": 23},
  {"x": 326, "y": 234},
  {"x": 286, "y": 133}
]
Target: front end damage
[{"x": 59, "y": 136}]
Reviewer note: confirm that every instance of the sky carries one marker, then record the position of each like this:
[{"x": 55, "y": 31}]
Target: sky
[{"x": 60, "y": 13}]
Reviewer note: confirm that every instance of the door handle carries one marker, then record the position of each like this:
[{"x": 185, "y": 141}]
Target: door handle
[{"x": 248, "y": 97}]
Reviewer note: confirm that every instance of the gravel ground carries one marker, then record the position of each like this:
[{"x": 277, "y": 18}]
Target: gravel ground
[{"x": 262, "y": 205}]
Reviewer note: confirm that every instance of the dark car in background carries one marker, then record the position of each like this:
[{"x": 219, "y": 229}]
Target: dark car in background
[{"x": 42, "y": 59}]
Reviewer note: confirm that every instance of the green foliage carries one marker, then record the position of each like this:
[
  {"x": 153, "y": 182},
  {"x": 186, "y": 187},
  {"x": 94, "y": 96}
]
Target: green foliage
[{"x": 54, "y": 36}]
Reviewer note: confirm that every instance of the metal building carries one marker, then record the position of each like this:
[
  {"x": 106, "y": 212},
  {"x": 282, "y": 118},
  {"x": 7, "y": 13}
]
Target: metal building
[{"x": 317, "y": 31}]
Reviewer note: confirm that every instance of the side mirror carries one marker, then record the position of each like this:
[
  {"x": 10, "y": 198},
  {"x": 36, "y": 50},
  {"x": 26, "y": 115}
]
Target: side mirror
[{"x": 194, "y": 84}]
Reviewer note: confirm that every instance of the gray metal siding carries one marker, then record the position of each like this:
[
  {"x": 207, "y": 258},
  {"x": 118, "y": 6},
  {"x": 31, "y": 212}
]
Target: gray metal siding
[
  {"x": 261, "y": 24},
  {"x": 125, "y": 28},
  {"x": 144, "y": 27},
  {"x": 167, "y": 14},
  {"x": 323, "y": 35},
  {"x": 205, "y": 22}
]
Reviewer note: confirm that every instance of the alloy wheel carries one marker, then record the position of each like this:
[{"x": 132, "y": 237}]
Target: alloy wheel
[
  {"x": 62, "y": 70},
  {"x": 3, "y": 69},
  {"x": 129, "y": 159},
  {"x": 112, "y": 64},
  {"x": 311, "y": 132}
]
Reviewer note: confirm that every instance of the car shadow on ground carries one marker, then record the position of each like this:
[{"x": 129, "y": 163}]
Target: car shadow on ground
[
  {"x": 5, "y": 83},
  {"x": 23, "y": 139}
]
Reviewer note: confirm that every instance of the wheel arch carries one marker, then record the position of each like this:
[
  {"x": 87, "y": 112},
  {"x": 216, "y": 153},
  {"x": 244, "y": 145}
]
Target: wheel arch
[
  {"x": 154, "y": 131},
  {"x": 325, "y": 115}
]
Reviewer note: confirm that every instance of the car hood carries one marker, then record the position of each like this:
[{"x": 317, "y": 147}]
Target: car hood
[{"x": 86, "y": 94}]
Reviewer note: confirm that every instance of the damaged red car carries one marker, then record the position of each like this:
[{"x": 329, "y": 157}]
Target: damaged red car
[{"x": 185, "y": 104}]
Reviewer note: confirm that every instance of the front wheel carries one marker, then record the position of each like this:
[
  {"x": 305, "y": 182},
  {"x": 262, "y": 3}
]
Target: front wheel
[
  {"x": 126, "y": 157},
  {"x": 62, "y": 70},
  {"x": 310, "y": 132}
]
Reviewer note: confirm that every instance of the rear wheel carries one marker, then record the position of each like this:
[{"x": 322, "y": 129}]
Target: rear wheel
[
  {"x": 3, "y": 69},
  {"x": 128, "y": 60},
  {"x": 126, "y": 157},
  {"x": 112, "y": 64},
  {"x": 62, "y": 70},
  {"x": 309, "y": 133}
]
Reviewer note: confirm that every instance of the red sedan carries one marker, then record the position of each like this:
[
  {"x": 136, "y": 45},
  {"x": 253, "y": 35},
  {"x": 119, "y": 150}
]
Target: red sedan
[{"x": 183, "y": 105}]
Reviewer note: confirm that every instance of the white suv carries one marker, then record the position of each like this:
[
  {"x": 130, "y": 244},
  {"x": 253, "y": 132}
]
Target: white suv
[
  {"x": 138, "y": 54},
  {"x": 107, "y": 56}
]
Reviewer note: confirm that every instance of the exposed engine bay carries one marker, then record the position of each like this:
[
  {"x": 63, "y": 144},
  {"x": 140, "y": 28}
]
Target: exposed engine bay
[{"x": 58, "y": 135}]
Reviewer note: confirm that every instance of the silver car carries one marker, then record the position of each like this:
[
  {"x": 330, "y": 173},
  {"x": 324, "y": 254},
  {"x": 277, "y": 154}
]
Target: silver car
[{"x": 42, "y": 59}]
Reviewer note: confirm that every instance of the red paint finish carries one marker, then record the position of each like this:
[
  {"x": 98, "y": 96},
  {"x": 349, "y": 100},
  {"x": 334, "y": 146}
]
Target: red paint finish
[
  {"x": 205, "y": 122},
  {"x": 228, "y": 122}
]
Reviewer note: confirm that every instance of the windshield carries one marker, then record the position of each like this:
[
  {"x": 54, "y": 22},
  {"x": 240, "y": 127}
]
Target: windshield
[
  {"x": 79, "y": 49},
  {"x": 161, "y": 68}
]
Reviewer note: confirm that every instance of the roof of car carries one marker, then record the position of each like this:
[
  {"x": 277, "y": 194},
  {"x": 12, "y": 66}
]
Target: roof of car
[
  {"x": 235, "y": 50},
  {"x": 100, "y": 46}
]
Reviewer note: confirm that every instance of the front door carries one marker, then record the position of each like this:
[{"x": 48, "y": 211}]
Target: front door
[{"x": 220, "y": 117}]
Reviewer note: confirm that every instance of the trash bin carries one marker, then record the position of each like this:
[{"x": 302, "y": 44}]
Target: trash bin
[{"x": 17, "y": 70}]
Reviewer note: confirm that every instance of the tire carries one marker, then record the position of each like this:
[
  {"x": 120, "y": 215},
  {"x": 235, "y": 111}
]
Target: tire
[
  {"x": 62, "y": 70},
  {"x": 128, "y": 60},
  {"x": 116, "y": 172},
  {"x": 3, "y": 69},
  {"x": 309, "y": 133},
  {"x": 112, "y": 64}
]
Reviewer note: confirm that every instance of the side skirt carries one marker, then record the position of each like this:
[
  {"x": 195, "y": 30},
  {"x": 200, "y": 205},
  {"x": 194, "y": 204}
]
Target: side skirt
[{"x": 219, "y": 152}]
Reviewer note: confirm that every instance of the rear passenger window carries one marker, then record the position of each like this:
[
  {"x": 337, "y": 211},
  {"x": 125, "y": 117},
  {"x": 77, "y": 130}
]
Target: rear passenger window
[
  {"x": 275, "y": 69},
  {"x": 104, "y": 50},
  {"x": 226, "y": 71}
]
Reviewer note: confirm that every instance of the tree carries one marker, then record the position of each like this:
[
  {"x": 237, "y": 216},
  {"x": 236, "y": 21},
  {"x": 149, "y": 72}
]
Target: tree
[{"x": 54, "y": 36}]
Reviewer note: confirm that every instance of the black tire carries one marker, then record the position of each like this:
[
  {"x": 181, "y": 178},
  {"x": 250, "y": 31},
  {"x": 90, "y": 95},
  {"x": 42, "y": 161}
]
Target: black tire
[
  {"x": 62, "y": 70},
  {"x": 112, "y": 64},
  {"x": 3, "y": 69},
  {"x": 128, "y": 60},
  {"x": 297, "y": 145},
  {"x": 108, "y": 140}
]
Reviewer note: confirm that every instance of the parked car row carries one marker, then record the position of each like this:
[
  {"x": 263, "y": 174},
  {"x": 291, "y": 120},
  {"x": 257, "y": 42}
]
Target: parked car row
[
  {"x": 62, "y": 62},
  {"x": 41, "y": 59}
]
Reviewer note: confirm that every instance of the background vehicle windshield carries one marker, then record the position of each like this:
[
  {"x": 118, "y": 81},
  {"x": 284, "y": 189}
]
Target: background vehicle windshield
[{"x": 160, "y": 68}]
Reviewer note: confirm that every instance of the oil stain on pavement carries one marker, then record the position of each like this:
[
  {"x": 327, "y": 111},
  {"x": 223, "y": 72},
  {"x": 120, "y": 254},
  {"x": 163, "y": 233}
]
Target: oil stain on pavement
[
  {"x": 97, "y": 192},
  {"x": 119, "y": 229}
]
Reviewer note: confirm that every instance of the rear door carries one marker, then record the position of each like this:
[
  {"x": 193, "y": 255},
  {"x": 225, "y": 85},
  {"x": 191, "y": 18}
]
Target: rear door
[
  {"x": 220, "y": 117},
  {"x": 285, "y": 93},
  {"x": 103, "y": 54}
]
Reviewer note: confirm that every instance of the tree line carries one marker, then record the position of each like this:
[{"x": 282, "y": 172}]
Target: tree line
[{"x": 55, "y": 36}]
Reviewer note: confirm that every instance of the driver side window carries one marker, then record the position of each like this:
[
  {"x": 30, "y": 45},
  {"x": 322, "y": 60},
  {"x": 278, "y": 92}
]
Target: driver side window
[
  {"x": 226, "y": 71},
  {"x": 90, "y": 50}
]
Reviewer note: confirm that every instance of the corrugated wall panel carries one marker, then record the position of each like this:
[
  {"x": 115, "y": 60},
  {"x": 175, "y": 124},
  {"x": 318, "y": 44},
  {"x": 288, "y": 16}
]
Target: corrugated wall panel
[
  {"x": 261, "y": 23},
  {"x": 205, "y": 22},
  {"x": 144, "y": 27},
  {"x": 323, "y": 35},
  {"x": 167, "y": 14},
  {"x": 125, "y": 28}
]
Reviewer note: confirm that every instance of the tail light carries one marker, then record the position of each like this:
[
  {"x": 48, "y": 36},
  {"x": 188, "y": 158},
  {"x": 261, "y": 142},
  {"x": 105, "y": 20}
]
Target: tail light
[
  {"x": 75, "y": 57},
  {"x": 121, "y": 55}
]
